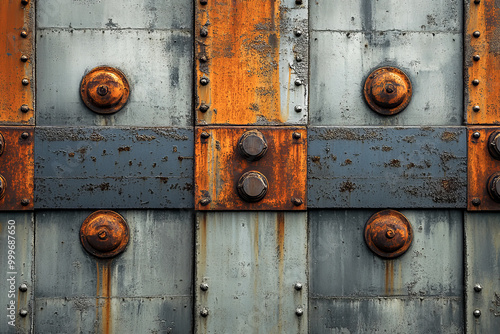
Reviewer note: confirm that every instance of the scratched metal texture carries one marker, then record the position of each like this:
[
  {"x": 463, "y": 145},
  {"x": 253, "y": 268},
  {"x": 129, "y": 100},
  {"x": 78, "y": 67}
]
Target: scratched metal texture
[
  {"x": 146, "y": 289},
  {"x": 92, "y": 167},
  {"x": 24, "y": 256},
  {"x": 349, "y": 39},
  {"x": 251, "y": 261},
  {"x": 377, "y": 167},
  {"x": 157, "y": 64},
  {"x": 482, "y": 266},
  {"x": 352, "y": 290}
]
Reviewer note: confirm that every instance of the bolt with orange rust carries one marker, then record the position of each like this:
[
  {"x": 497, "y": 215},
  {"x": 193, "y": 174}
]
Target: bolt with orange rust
[
  {"x": 252, "y": 186},
  {"x": 252, "y": 145},
  {"x": 390, "y": 233}
]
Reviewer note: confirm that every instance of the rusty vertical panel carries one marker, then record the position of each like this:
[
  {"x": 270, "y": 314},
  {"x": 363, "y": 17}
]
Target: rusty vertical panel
[
  {"x": 240, "y": 59},
  {"x": 482, "y": 62},
  {"x": 16, "y": 62}
]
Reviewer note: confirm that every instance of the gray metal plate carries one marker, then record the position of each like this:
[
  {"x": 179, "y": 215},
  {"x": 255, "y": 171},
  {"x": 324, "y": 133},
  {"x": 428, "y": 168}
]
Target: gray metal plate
[
  {"x": 115, "y": 14},
  {"x": 352, "y": 290},
  {"x": 251, "y": 261},
  {"x": 16, "y": 235},
  {"x": 341, "y": 61},
  {"x": 151, "y": 278},
  {"x": 482, "y": 257},
  {"x": 372, "y": 167},
  {"x": 404, "y": 15},
  {"x": 157, "y": 64},
  {"x": 96, "y": 167}
]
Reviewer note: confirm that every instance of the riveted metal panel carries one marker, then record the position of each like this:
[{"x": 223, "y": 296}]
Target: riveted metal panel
[
  {"x": 153, "y": 275},
  {"x": 16, "y": 167},
  {"x": 251, "y": 53},
  {"x": 354, "y": 290},
  {"x": 115, "y": 14},
  {"x": 219, "y": 166},
  {"x": 482, "y": 50},
  {"x": 127, "y": 167},
  {"x": 159, "y": 73},
  {"x": 16, "y": 62},
  {"x": 371, "y": 167},
  {"x": 251, "y": 262},
  {"x": 342, "y": 60},
  {"x": 405, "y": 15},
  {"x": 482, "y": 272}
]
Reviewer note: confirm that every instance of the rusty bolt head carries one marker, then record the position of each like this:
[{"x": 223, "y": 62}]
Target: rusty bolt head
[
  {"x": 388, "y": 90},
  {"x": 204, "y": 32},
  {"x": 296, "y": 135},
  {"x": 23, "y": 313},
  {"x": 298, "y": 82},
  {"x": 476, "y": 202},
  {"x": 478, "y": 288},
  {"x": 299, "y": 311},
  {"x": 24, "y": 2},
  {"x": 388, "y": 233},
  {"x": 25, "y": 202},
  {"x": 476, "y": 135},
  {"x": 24, "y": 58},
  {"x": 23, "y": 287},
  {"x": 475, "y": 82},
  {"x": 297, "y": 32},
  {"x": 204, "y": 286},
  {"x": 494, "y": 187},
  {"x": 252, "y": 186},
  {"x": 252, "y": 145},
  {"x": 205, "y": 135},
  {"x": 477, "y": 313},
  {"x": 24, "y": 34},
  {"x": 104, "y": 234},
  {"x": 476, "y": 34},
  {"x": 204, "y": 107},
  {"x": 25, "y": 82},
  {"x": 297, "y": 286},
  {"x": 2, "y": 144},
  {"x": 3, "y": 186},
  {"x": 298, "y": 108},
  {"x": 104, "y": 90},
  {"x": 203, "y": 2},
  {"x": 297, "y": 201},
  {"x": 205, "y": 201},
  {"x": 476, "y": 57},
  {"x": 204, "y": 81},
  {"x": 204, "y": 59},
  {"x": 476, "y": 108},
  {"x": 24, "y": 108},
  {"x": 494, "y": 145},
  {"x": 25, "y": 135},
  {"x": 204, "y": 312}
]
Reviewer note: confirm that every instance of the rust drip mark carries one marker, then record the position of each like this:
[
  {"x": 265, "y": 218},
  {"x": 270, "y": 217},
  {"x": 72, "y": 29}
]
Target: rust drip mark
[
  {"x": 103, "y": 298},
  {"x": 243, "y": 47},
  {"x": 280, "y": 234},
  {"x": 389, "y": 277}
]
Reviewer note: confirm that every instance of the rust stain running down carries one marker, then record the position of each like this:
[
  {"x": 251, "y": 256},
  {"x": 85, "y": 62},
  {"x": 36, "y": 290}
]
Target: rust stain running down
[
  {"x": 16, "y": 62},
  {"x": 237, "y": 47},
  {"x": 103, "y": 298},
  {"x": 482, "y": 62}
]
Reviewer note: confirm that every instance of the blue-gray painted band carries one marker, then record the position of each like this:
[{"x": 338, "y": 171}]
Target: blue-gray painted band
[
  {"x": 104, "y": 167},
  {"x": 378, "y": 167}
]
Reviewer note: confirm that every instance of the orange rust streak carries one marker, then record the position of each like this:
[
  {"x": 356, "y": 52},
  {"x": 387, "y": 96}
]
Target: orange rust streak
[
  {"x": 243, "y": 48},
  {"x": 13, "y": 19},
  {"x": 280, "y": 231},
  {"x": 389, "y": 277},
  {"x": 104, "y": 292}
]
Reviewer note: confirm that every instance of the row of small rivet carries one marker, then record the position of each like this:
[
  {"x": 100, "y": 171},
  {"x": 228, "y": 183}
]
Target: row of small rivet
[
  {"x": 475, "y": 82},
  {"x": 24, "y": 58}
]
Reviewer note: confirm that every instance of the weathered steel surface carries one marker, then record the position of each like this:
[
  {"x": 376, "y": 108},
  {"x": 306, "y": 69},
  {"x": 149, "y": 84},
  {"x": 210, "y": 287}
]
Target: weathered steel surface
[
  {"x": 16, "y": 62},
  {"x": 147, "y": 287},
  {"x": 482, "y": 270},
  {"x": 115, "y": 14},
  {"x": 16, "y": 261},
  {"x": 251, "y": 262},
  {"x": 16, "y": 167},
  {"x": 377, "y": 167},
  {"x": 252, "y": 59},
  {"x": 481, "y": 166},
  {"x": 110, "y": 167},
  {"x": 482, "y": 62},
  {"x": 220, "y": 165},
  {"x": 353, "y": 289},
  {"x": 341, "y": 61},
  {"x": 159, "y": 73}
]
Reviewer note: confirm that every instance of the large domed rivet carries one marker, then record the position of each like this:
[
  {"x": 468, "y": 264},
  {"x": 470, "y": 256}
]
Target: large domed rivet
[
  {"x": 252, "y": 145},
  {"x": 104, "y": 234},
  {"x": 388, "y": 233},
  {"x": 252, "y": 186},
  {"x": 105, "y": 90},
  {"x": 388, "y": 90}
]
